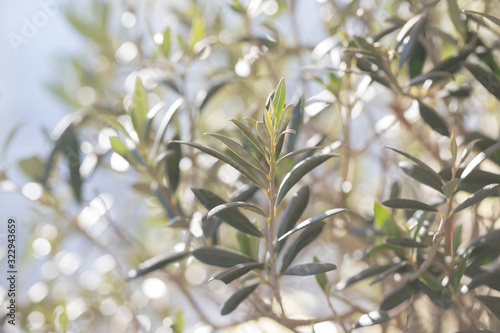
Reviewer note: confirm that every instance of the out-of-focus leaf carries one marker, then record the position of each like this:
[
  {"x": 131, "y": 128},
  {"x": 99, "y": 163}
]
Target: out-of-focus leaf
[
  {"x": 457, "y": 238},
  {"x": 417, "y": 60},
  {"x": 121, "y": 149},
  {"x": 115, "y": 124},
  {"x": 408, "y": 204},
  {"x": 404, "y": 242},
  {"x": 211, "y": 93},
  {"x": 292, "y": 213},
  {"x": 173, "y": 169},
  {"x": 244, "y": 243},
  {"x": 311, "y": 221},
  {"x": 489, "y": 17},
  {"x": 155, "y": 263},
  {"x": 372, "y": 318},
  {"x": 477, "y": 197},
  {"x": 32, "y": 167},
  {"x": 310, "y": 269},
  {"x": 487, "y": 78},
  {"x": 163, "y": 195},
  {"x": 178, "y": 325},
  {"x": 397, "y": 266},
  {"x": 455, "y": 15},
  {"x": 479, "y": 159},
  {"x": 250, "y": 136},
  {"x": 260, "y": 181},
  {"x": 381, "y": 248},
  {"x": 441, "y": 298},
  {"x": 397, "y": 297},
  {"x": 408, "y": 37},
  {"x": 167, "y": 118},
  {"x": 303, "y": 239},
  {"x": 72, "y": 154},
  {"x": 233, "y": 217},
  {"x": 492, "y": 303},
  {"x": 491, "y": 279},
  {"x": 197, "y": 31},
  {"x": 139, "y": 107},
  {"x": 299, "y": 171},
  {"x": 430, "y": 280},
  {"x": 385, "y": 221},
  {"x": 240, "y": 151},
  {"x": 476, "y": 180},
  {"x": 364, "y": 274},
  {"x": 236, "y": 299},
  {"x": 219, "y": 256},
  {"x": 232, "y": 273},
  {"x": 10, "y": 137},
  {"x": 165, "y": 45},
  {"x": 279, "y": 99},
  {"x": 295, "y": 124},
  {"x": 244, "y": 194},
  {"x": 475, "y": 331},
  {"x": 432, "y": 119},
  {"x": 235, "y": 205}
]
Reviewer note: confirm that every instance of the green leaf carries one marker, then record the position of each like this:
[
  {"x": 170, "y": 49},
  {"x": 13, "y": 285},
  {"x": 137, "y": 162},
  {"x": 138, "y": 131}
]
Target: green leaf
[
  {"x": 430, "y": 280},
  {"x": 304, "y": 238},
  {"x": 408, "y": 204},
  {"x": 197, "y": 31},
  {"x": 250, "y": 136},
  {"x": 285, "y": 119},
  {"x": 417, "y": 60},
  {"x": 477, "y": 197},
  {"x": 432, "y": 119},
  {"x": 397, "y": 266},
  {"x": 397, "y": 297},
  {"x": 292, "y": 213},
  {"x": 32, "y": 167},
  {"x": 237, "y": 271},
  {"x": 408, "y": 36},
  {"x": 235, "y": 300},
  {"x": 450, "y": 187},
  {"x": 240, "y": 152},
  {"x": 311, "y": 221},
  {"x": 299, "y": 171},
  {"x": 233, "y": 217},
  {"x": 121, "y": 149},
  {"x": 476, "y": 161},
  {"x": 487, "y": 78},
  {"x": 404, "y": 242},
  {"x": 434, "y": 178},
  {"x": 457, "y": 238},
  {"x": 244, "y": 243},
  {"x": 234, "y": 206},
  {"x": 115, "y": 124},
  {"x": 165, "y": 45},
  {"x": 385, "y": 221},
  {"x": 178, "y": 326},
  {"x": 489, "y": 17},
  {"x": 455, "y": 15},
  {"x": 172, "y": 165},
  {"x": 421, "y": 175},
  {"x": 263, "y": 134},
  {"x": 219, "y": 256},
  {"x": 364, "y": 274},
  {"x": 155, "y": 263},
  {"x": 257, "y": 180},
  {"x": 298, "y": 152},
  {"x": 211, "y": 93},
  {"x": 72, "y": 154},
  {"x": 279, "y": 99},
  {"x": 492, "y": 303},
  {"x": 295, "y": 124},
  {"x": 167, "y": 118},
  {"x": 321, "y": 278},
  {"x": 372, "y": 318},
  {"x": 139, "y": 107},
  {"x": 310, "y": 269}
]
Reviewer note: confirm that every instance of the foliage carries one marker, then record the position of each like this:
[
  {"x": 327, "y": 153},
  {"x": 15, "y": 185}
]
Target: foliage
[{"x": 278, "y": 192}]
